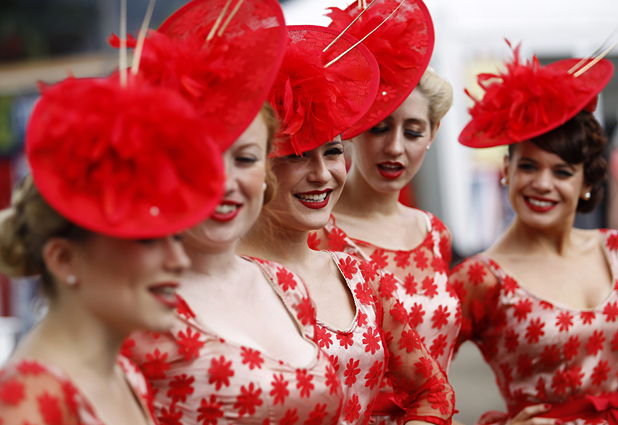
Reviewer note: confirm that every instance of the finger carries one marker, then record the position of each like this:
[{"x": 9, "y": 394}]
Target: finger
[{"x": 531, "y": 411}]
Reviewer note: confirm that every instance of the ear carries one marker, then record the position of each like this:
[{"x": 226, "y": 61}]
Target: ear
[
  {"x": 59, "y": 256},
  {"x": 505, "y": 168}
]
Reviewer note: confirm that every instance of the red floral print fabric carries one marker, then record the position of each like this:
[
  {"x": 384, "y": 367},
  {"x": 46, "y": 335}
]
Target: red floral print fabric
[
  {"x": 381, "y": 342},
  {"x": 32, "y": 392},
  {"x": 540, "y": 352},
  {"x": 419, "y": 279},
  {"x": 200, "y": 378}
]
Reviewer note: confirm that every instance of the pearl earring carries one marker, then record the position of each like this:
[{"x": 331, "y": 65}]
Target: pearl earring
[
  {"x": 587, "y": 196},
  {"x": 427, "y": 147},
  {"x": 71, "y": 280},
  {"x": 503, "y": 182},
  {"x": 264, "y": 186}
]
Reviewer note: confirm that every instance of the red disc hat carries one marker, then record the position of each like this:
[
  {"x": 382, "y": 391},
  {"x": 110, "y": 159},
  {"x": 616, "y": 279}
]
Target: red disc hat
[
  {"x": 318, "y": 95},
  {"x": 223, "y": 55},
  {"x": 528, "y": 100},
  {"x": 129, "y": 162},
  {"x": 402, "y": 46}
]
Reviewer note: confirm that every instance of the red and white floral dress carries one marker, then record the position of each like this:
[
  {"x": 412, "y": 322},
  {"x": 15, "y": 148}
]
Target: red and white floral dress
[
  {"x": 378, "y": 341},
  {"x": 33, "y": 392},
  {"x": 201, "y": 379},
  {"x": 420, "y": 279},
  {"x": 541, "y": 352}
]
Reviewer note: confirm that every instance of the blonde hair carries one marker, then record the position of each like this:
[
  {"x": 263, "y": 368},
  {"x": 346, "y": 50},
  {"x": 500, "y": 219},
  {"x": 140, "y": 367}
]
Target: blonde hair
[
  {"x": 272, "y": 124},
  {"x": 439, "y": 94},
  {"x": 25, "y": 228}
]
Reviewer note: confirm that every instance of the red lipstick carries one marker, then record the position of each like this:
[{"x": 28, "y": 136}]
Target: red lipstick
[
  {"x": 316, "y": 199},
  {"x": 226, "y": 211},
  {"x": 545, "y": 206},
  {"x": 165, "y": 293},
  {"x": 390, "y": 170}
]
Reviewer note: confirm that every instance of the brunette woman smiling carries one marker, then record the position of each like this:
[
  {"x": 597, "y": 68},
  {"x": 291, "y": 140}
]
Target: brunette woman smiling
[{"x": 541, "y": 302}]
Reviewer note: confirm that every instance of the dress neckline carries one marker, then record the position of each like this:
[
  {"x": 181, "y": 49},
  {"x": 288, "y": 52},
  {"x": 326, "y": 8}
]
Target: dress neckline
[
  {"x": 362, "y": 242},
  {"x": 238, "y": 346},
  {"x": 502, "y": 273}
]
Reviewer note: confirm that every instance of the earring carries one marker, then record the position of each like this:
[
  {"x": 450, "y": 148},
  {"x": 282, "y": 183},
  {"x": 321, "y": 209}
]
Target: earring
[
  {"x": 427, "y": 147},
  {"x": 71, "y": 280},
  {"x": 503, "y": 182},
  {"x": 587, "y": 196},
  {"x": 264, "y": 186}
]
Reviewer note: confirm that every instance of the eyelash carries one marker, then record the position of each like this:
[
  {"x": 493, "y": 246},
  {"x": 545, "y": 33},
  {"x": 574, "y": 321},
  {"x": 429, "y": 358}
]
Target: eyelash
[
  {"x": 559, "y": 173},
  {"x": 381, "y": 130},
  {"x": 334, "y": 152}
]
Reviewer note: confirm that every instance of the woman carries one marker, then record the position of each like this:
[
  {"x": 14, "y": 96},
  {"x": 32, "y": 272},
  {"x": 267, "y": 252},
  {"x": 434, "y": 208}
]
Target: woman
[
  {"x": 359, "y": 325},
  {"x": 237, "y": 351},
  {"x": 117, "y": 171},
  {"x": 413, "y": 247},
  {"x": 540, "y": 302}
]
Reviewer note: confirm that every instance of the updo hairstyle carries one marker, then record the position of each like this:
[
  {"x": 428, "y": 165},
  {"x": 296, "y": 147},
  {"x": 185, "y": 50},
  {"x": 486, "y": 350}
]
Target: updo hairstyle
[
  {"x": 25, "y": 228},
  {"x": 270, "y": 119},
  {"x": 580, "y": 140},
  {"x": 439, "y": 95}
]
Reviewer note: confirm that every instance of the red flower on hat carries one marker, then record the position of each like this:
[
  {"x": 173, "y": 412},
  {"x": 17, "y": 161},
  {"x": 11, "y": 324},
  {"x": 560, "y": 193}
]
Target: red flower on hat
[
  {"x": 527, "y": 100},
  {"x": 316, "y": 103},
  {"x": 127, "y": 162}
]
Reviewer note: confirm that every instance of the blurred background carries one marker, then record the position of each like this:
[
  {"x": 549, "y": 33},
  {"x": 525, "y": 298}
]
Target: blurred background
[{"x": 44, "y": 40}]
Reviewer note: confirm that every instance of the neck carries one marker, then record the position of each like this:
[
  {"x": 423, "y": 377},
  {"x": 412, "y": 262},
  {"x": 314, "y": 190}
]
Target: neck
[
  {"x": 77, "y": 341},
  {"x": 212, "y": 263},
  {"x": 556, "y": 239},
  {"x": 359, "y": 198},
  {"x": 269, "y": 240}
]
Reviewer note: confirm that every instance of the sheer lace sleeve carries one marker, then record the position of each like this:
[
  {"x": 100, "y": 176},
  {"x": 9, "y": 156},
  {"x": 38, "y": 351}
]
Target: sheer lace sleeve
[
  {"x": 31, "y": 394},
  {"x": 421, "y": 387},
  {"x": 446, "y": 248},
  {"x": 478, "y": 289}
]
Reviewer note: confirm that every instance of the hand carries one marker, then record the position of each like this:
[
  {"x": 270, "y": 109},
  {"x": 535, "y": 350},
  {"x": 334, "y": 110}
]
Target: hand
[{"x": 528, "y": 416}]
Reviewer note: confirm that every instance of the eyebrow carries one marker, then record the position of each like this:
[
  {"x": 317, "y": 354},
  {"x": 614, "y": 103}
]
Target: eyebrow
[{"x": 561, "y": 165}]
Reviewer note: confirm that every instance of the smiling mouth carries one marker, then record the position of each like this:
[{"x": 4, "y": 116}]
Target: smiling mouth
[
  {"x": 315, "y": 200},
  {"x": 226, "y": 208},
  {"x": 226, "y": 211},
  {"x": 165, "y": 294},
  {"x": 539, "y": 205}
]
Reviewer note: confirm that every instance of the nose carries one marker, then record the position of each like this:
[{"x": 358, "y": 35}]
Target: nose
[
  {"x": 543, "y": 181},
  {"x": 177, "y": 260},
  {"x": 394, "y": 143},
  {"x": 318, "y": 172},
  {"x": 230, "y": 179}
]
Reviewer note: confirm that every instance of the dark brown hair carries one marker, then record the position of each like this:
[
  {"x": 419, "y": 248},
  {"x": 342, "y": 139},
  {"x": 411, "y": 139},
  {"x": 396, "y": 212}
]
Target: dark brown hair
[
  {"x": 579, "y": 141},
  {"x": 25, "y": 227}
]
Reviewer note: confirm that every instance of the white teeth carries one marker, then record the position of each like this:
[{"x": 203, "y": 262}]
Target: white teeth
[
  {"x": 164, "y": 290},
  {"x": 541, "y": 204},
  {"x": 225, "y": 208},
  {"x": 313, "y": 197},
  {"x": 390, "y": 166}
]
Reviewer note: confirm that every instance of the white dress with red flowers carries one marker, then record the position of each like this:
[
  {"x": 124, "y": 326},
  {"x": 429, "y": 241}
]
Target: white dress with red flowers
[
  {"x": 380, "y": 340},
  {"x": 541, "y": 352},
  {"x": 33, "y": 392},
  {"x": 201, "y": 379},
  {"x": 419, "y": 278}
]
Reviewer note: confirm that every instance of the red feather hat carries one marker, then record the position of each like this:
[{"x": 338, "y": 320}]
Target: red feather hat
[
  {"x": 527, "y": 100},
  {"x": 222, "y": 57},
  {"x": 128, "y": 162},
  {"x": 315, "y": 100},
  {"x": 402, "y": 47}
]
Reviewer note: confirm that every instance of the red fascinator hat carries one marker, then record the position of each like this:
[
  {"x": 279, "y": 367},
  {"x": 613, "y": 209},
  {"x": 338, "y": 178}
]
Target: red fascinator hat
[
  {"x": 318, "y": 95},
  {"x": 402, "y": 46},
  {"x": 128, "y": 162},
  {"x": 222, "y": 56},
  {"x": 528, "y": 100}
]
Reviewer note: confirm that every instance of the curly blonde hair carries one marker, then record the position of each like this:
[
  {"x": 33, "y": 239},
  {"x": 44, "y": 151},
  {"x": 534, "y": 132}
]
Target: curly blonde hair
[{"x": 439, "y": 94}]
